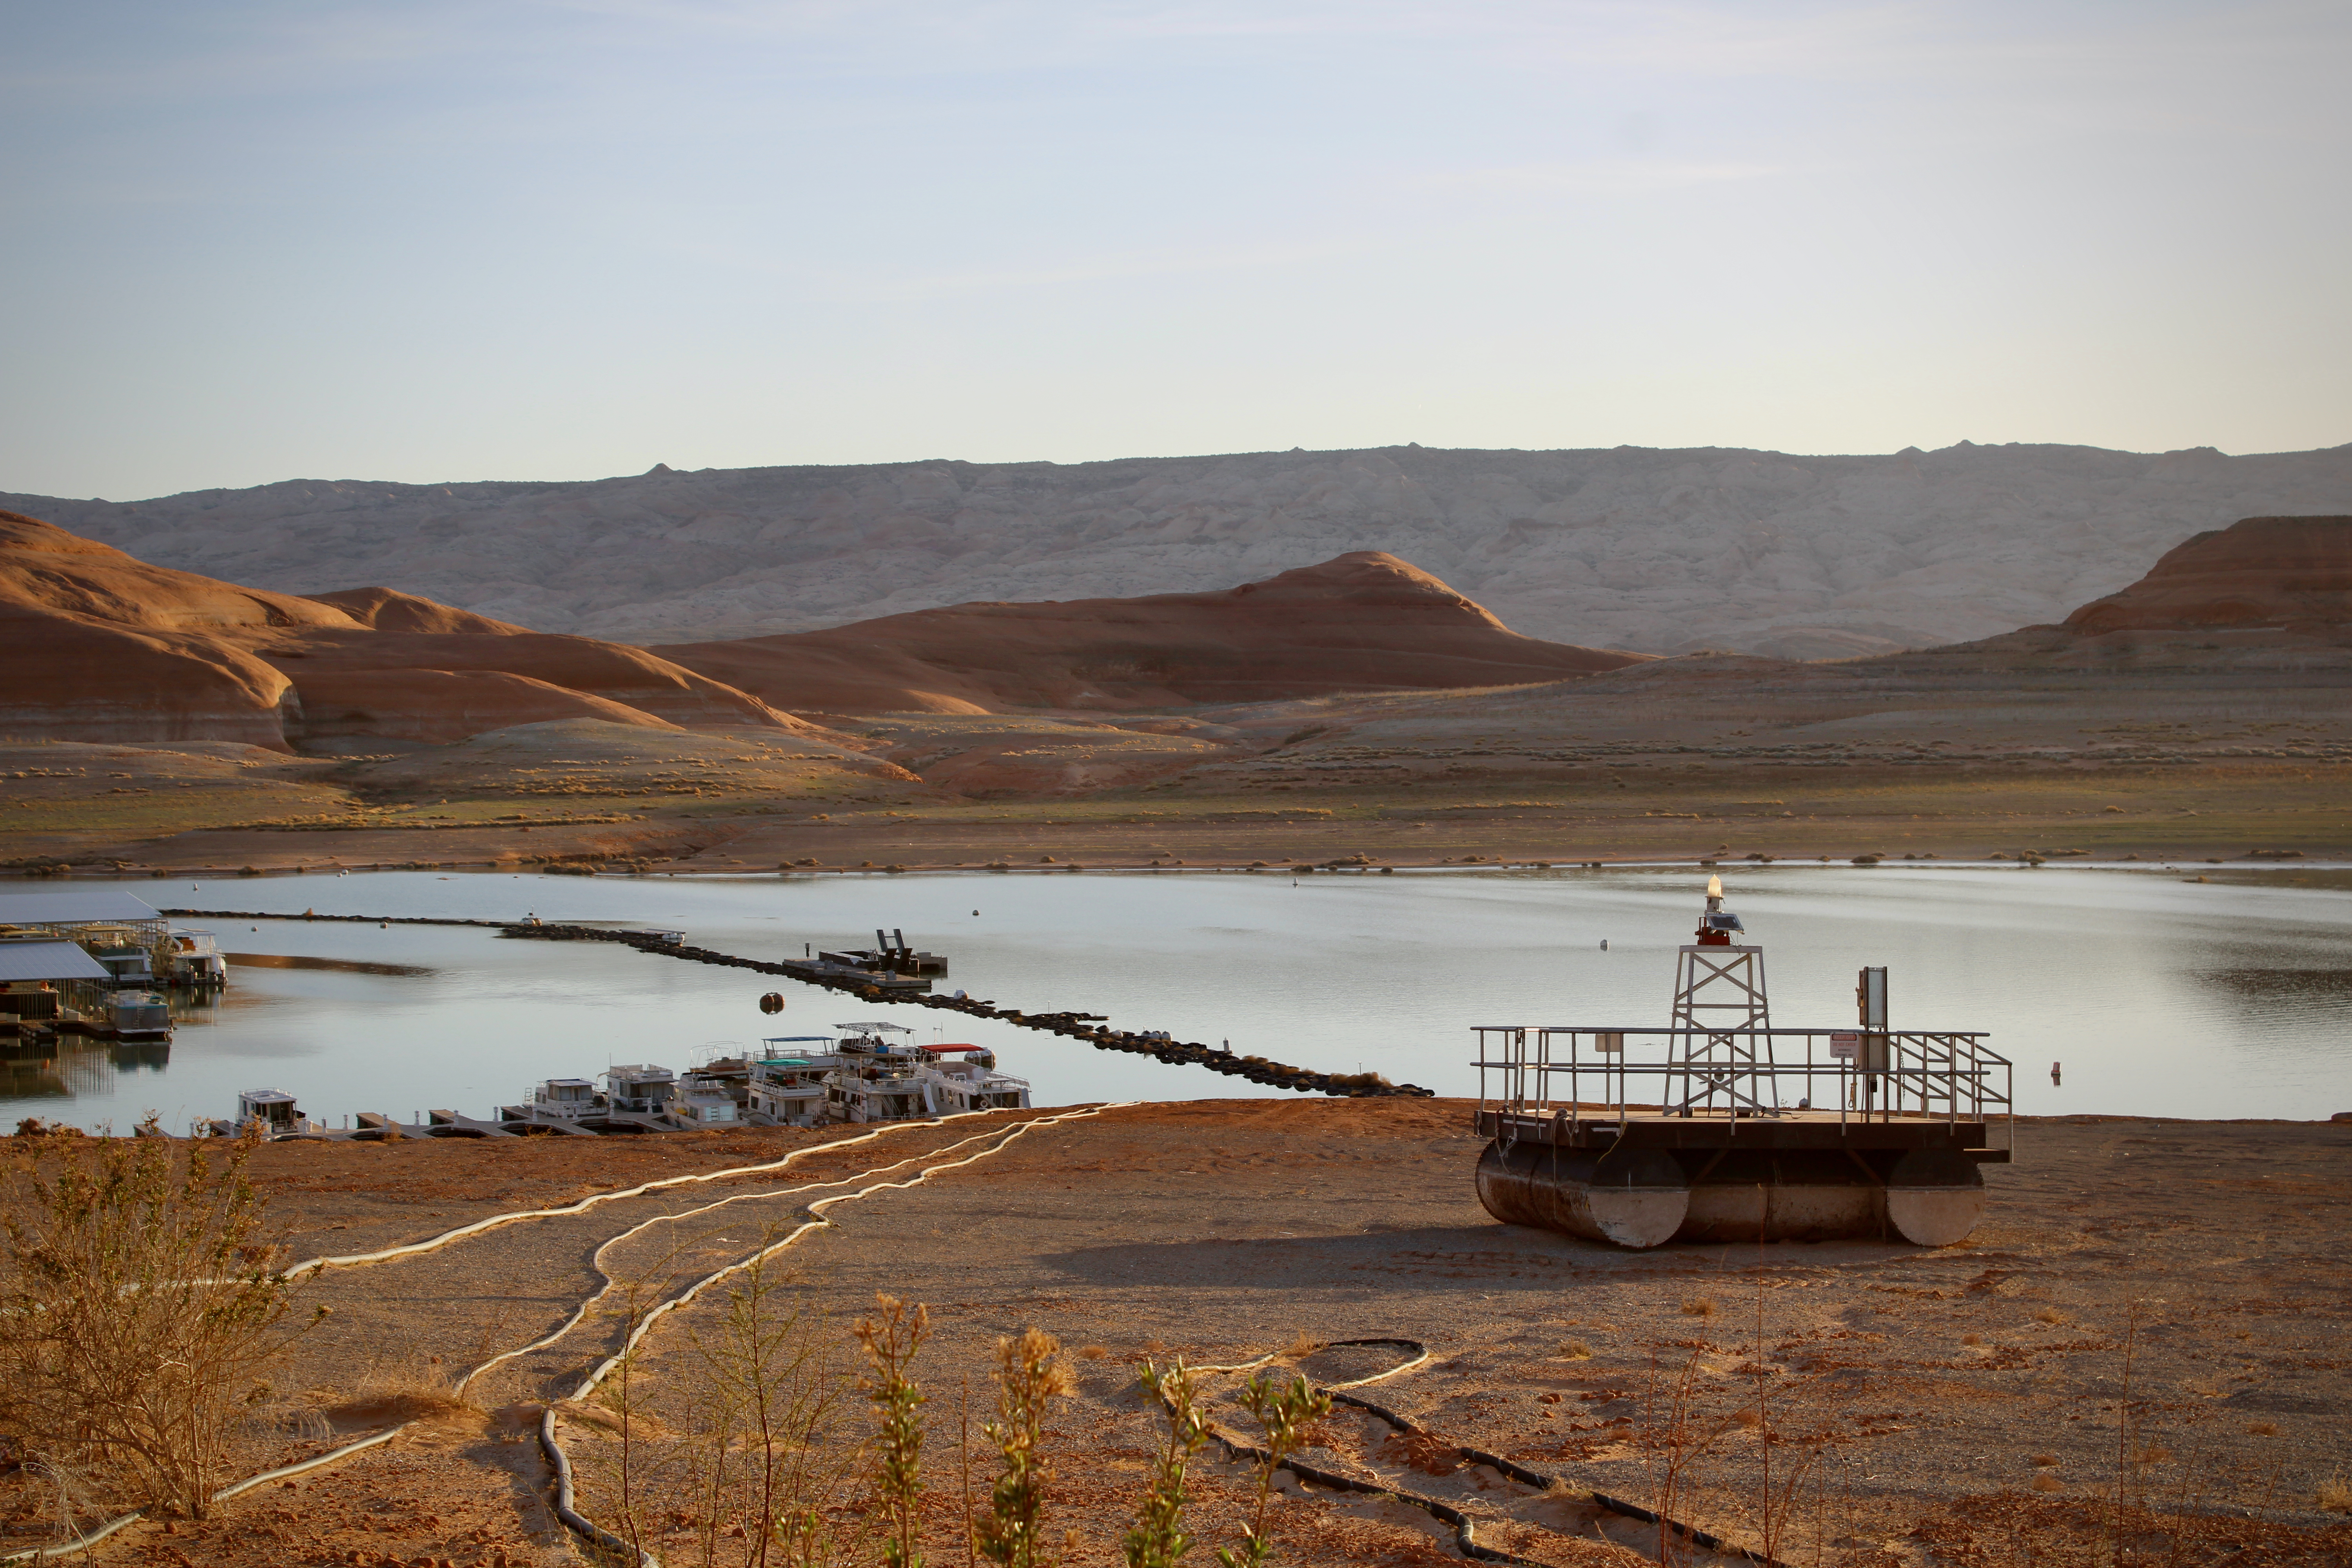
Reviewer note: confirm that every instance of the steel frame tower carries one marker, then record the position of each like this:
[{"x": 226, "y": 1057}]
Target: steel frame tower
[{"x": 1723, "y": 1060}]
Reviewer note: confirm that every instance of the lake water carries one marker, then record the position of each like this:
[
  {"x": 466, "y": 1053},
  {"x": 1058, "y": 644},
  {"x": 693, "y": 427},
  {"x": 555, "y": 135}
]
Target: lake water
[{"x": 2162, "y": 997}]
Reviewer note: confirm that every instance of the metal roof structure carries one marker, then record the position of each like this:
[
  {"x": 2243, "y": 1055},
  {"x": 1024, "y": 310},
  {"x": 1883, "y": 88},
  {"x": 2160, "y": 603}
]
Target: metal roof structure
[
  {"x": 93, "y": 904},
  {"x": 48, "y": 961}
]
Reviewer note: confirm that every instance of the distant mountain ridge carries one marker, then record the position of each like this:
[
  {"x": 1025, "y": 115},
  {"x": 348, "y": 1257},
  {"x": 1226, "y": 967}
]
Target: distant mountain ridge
[{"x": 1648, "y": 549}]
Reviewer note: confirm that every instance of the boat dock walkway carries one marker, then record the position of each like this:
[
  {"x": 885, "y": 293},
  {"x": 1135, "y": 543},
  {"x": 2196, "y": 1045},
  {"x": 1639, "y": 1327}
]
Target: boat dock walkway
[{"x": 905, "y": 991}]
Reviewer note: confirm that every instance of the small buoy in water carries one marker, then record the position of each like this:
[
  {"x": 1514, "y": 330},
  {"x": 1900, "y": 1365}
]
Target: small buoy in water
[
  {"x": 2054, "y": 1075},
  {"x": 771, "y": 1003},
  {"x": 1604, "y": 944}
]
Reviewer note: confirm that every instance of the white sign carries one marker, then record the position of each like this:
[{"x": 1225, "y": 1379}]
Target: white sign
[{"x": 1844, "y": 1046}]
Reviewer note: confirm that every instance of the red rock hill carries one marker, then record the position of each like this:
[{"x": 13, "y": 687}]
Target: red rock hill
[
  {"x": 1363, "y": 622},
  {"x": 102, "y": 646},
  {"x": 2265, "y": 592},
  {"x": 2291, "y": 573}
]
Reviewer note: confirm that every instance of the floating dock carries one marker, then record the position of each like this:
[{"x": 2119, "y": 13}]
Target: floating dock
[{"x": 1739, "y": 1131}]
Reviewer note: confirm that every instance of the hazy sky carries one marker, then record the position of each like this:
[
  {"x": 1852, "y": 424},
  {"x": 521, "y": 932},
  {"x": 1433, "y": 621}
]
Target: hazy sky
[{"x": 247, "y": 241}]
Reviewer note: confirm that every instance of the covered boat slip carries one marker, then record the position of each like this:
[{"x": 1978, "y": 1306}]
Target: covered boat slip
[
  {"x": 130, "y": 937},
  {"x": 67, "y": 912},
  {"x": 42, "y": 980}
]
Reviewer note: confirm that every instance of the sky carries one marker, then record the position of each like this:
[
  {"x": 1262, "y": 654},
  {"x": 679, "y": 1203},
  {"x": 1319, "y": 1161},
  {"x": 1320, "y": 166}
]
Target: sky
[{"x": 537, "y": 239}]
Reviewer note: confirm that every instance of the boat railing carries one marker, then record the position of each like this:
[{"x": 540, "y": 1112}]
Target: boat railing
[{"x": 1580, "y": 1074}]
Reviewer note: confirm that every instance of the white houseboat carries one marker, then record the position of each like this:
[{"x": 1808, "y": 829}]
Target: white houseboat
[
  {"x": 556, "y": 1100},
  {"x": 273, "y": 1111},
  {"x": 786, "y": 1081},
  {"x": 952, "y": 1087},
  {"x": 639, "y": 1088}
]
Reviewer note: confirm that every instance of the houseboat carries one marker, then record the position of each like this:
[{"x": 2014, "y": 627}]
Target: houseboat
[
  {"x": 273, "y": 1111},
  {"x": 140, "y": 1015},
  {"x": 640, "y": 1089},
  {"x": 193, "y": 959},
  {"x": 958, "y": 1079},
  {"x": 785, "y": 1083},
  {"x": 566, "y": 1100}
]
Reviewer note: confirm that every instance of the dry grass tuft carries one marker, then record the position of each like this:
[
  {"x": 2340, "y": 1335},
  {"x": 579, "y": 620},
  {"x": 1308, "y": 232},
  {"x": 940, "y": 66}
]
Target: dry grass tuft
[
  {"x": 2049, "y": 1315},
  {"x": 643, "y": 1427},
  {"x": 1700, "y": 1307},
  {"x": 2336, "y": 1494},
  {"x": 1576, "y": 1349},
  {"x": 1304, "y": 1345},
  {"x": 2262, "y": 1428},
  {"x": 1971, "y": 1339},
  {"x": 1092, "y": 1353},
  {"x": 418, "y": 1391},
  {"x": 2046, "y": 1482},
  {"x": 2045, "y": 1458}
]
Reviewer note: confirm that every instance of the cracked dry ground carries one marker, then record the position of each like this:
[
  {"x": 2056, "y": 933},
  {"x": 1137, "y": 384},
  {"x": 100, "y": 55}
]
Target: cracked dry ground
[{"x": 1957, "y": 1405}]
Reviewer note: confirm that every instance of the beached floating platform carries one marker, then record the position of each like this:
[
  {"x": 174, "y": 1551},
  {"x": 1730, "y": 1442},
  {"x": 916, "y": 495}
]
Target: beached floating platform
[
  {"x": 1800, "y": 1175},
  {"x": 1741, "y": 1132}
]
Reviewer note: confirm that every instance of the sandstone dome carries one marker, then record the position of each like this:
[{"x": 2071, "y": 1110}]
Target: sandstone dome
[{"x": 1365, "y": 621}]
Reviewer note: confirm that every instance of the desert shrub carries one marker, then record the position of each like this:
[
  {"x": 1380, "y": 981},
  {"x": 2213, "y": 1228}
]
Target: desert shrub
[
  {"x": 1158, "y": 1538},
  {"x": 1029, "y": 1376},
  {"x": 890, "y": 1339},
  {"x": 746, "y": 1468},
  {"x": 142, "y": 1314},
  {"x": 1283, "y": 1413}
]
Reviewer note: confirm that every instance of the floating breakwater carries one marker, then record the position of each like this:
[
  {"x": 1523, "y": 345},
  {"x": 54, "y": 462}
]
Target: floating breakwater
[{"x": 1077, "y": 1026}]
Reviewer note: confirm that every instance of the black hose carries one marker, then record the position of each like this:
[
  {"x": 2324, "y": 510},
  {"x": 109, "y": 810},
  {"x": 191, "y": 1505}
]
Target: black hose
[{"x": 1466, "y": 1539}]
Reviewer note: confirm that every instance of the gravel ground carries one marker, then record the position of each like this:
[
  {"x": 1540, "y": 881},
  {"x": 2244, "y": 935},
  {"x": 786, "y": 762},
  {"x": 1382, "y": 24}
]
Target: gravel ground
[{"x": 1960, "y": 1405}]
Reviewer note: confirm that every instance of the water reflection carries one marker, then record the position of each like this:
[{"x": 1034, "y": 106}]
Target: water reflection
[
  {"x": 2319, "y": 994},
  {"x": 302, "y": 961},
  {"x": 76, "y": 1069}
]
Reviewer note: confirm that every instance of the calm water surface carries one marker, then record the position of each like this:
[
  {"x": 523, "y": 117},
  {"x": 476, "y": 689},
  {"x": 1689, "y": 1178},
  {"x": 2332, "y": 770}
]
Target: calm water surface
[{"x": 2160, "y": 996}]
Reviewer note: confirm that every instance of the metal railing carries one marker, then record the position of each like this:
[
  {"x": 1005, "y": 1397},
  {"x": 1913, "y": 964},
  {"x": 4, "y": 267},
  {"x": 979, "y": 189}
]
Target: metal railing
[{"x": 1575, "y": 1072}]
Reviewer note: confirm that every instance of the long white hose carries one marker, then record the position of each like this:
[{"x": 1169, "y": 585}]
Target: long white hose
[
  {"x": 566, "y": 1506},
  {"x": 596, "y": 1260},
  {"x": 433, "y": 1243}
]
